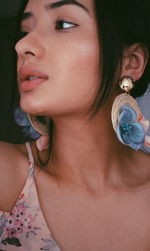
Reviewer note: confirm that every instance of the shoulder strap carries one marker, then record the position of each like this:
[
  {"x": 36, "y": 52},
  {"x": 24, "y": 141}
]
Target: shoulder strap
[{"x": 31, "y": 159}]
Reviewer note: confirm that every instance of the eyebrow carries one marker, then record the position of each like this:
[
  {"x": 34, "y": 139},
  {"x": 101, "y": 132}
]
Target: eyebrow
[
  {"x": 65, "y": 2},
  {"x": 54, "y": 5}
]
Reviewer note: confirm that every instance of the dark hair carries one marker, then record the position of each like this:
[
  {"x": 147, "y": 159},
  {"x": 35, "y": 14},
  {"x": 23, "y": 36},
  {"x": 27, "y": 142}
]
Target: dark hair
[
  {"x": 120, "y": 24},
  {"x": 9, "y": 97}
]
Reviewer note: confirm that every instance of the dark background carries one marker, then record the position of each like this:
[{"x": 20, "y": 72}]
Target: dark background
[
  {"x": 9, "y": 96},
  {"x": 9, "y": 8}
]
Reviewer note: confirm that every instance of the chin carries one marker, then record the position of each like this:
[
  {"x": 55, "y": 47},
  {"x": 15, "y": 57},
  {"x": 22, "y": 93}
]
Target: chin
[
  {"x": 31, "y": 107},
  {"x": 50, "y": 106}
]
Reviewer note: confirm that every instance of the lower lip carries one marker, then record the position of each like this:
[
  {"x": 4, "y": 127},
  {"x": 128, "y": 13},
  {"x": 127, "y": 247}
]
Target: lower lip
[{"x": 29, "y": 85}]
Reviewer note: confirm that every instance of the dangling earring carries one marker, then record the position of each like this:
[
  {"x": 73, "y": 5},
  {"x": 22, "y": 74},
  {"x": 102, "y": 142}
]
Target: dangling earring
[
  {"x": 35, "y": 127},
  {"x": 128, "y": 122},
  {"x": 41, "y": 125}
]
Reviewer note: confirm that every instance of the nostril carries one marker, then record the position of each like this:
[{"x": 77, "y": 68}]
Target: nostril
[{"x": 29, "y": 53}]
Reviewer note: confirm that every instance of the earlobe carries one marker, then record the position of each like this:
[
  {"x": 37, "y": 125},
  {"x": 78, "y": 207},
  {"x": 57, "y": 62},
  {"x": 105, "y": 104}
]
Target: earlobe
[{"x": 134, "y": 61}]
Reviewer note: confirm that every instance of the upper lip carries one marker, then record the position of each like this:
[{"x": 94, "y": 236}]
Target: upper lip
[{"x": 25, "y": 72}]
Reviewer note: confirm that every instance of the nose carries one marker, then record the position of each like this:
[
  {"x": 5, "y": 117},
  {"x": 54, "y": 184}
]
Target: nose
[{"x": 29, "y": 47}]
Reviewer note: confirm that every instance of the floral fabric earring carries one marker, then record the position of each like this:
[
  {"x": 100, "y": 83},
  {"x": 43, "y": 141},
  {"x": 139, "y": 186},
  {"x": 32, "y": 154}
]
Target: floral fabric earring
[
  {"x": 127, "y": 119},
  {"x": 34, "y": 128}
]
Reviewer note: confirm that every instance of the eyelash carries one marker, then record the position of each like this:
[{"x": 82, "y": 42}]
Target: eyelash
[
  {"x": 60, "y": 22},
  {"x": 58, "y": 26}
]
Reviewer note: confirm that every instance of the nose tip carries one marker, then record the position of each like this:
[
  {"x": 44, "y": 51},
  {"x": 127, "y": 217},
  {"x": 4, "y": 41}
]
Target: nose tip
[
  {"x": 30, "y": 46},
  {"x": 19, "y": 48},
  {"x": 22, "y": 50}
]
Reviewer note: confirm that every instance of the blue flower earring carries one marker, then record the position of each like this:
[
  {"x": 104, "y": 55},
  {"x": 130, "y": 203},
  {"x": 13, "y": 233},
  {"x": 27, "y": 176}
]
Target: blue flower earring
[
  {"x": 127, "y": 119},
  {"x": 37, "y": 129}
]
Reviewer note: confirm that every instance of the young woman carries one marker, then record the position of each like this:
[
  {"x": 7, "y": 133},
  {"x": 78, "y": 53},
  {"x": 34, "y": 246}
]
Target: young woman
[{"x": 93, "y": 192}]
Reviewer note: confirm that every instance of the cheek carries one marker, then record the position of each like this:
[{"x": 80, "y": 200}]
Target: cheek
[
  {"x": 74, "y": 72},
  {"x": 84, "y": 70},
  {"x": 76, "y": 84},
  {"x": 78, "y": 64}
]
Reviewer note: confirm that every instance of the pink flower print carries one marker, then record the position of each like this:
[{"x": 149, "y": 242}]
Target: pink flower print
[
  {"x": 14, "y": 224},
  {"x": 28, "y": 221},
  {"x": 13, "y": 227},
  {"x": 19, "y": 210},
  {"x": 19, "y": 221},
  {"x": 22, "y": 217}
]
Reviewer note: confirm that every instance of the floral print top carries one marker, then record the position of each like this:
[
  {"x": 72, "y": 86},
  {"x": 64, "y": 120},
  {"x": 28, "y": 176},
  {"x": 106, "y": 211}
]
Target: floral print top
[{"x": 25, "y": 227}]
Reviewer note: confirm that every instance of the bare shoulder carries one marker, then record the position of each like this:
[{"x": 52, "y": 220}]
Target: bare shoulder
[
  {"x": 11, "y": 152},
  {"x": 13, "y": 159},
  {"x": 14, "y": 165},
  {"x": 16, "y": 153}
]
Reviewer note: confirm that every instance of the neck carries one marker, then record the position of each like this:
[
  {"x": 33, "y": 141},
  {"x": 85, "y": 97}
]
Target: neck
[{"x": 87, "y": 154}]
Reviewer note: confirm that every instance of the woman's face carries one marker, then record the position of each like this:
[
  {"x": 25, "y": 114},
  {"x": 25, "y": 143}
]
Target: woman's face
[{"x": 58, "y": 57}]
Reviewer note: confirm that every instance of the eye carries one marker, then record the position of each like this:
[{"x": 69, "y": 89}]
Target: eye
[{"x": 64, "y": 25}]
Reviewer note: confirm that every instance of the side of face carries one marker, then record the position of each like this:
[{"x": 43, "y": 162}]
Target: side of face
[{"x": 61, "y": 42}]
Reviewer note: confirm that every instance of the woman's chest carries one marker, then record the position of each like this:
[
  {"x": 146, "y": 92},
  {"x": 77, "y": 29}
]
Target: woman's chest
[
  {"x": 114, "y": 223},
  {"x": 90, "y": 231}
]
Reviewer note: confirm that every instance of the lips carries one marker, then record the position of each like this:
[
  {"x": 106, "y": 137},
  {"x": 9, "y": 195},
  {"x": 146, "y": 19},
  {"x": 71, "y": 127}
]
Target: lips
[{"x": 30, "y": 78}]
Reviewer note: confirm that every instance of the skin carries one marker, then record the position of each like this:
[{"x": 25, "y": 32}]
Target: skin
[
  {"x": 81, "y": 44},
  {"x": 84, "y": 194}
]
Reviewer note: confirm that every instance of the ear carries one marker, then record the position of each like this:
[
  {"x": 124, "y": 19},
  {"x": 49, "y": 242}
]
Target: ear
[{"x": 134, "y": 61}]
